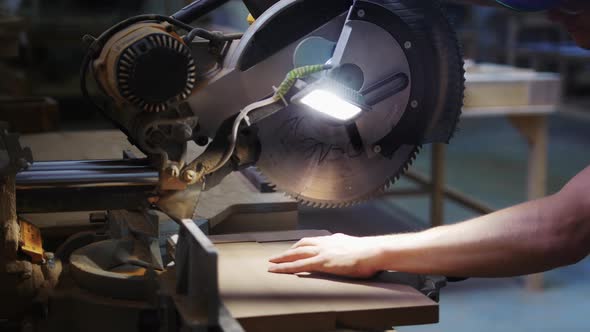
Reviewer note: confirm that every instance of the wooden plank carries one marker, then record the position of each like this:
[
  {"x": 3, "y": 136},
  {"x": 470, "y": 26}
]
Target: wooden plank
[
  {"x": 262, "y": 237},
  {"x": 473, "y": 112},
  {"x": 508, "y": 89},
  {"x": 262, "y": 301}
]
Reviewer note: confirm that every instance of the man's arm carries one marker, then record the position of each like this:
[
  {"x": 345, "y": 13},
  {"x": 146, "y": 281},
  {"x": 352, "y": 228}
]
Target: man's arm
[{"x": 527, "y": 238}]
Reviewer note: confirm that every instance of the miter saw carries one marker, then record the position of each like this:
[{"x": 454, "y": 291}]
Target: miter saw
[
  {"x": 396, "y": 63},
  {"x": 330, "y": 100}
]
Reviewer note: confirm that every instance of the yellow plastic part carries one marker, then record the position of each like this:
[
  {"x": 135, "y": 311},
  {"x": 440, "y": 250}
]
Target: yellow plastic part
[
  {"x": 30, "y": 241},
  {"x": 251, "y": 19}
]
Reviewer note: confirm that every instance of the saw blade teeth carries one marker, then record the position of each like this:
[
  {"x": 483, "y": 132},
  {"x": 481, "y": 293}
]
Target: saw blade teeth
[{"x": 328, "y": 205}]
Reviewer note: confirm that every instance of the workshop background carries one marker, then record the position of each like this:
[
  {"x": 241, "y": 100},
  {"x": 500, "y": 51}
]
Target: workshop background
[{"x": 487, "y": 160}]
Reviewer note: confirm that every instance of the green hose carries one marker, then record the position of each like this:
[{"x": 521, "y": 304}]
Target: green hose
[{"x": 293, "y": 76}]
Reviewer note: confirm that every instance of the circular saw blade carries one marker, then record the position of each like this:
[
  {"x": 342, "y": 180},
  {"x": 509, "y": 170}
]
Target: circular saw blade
[
  {"x": 318, "y": 165},
  {"x": 315, "y": 161}
]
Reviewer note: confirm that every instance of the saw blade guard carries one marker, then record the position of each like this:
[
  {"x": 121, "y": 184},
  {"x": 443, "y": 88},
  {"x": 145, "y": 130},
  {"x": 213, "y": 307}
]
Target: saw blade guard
[{"x": 330, "y": 165}]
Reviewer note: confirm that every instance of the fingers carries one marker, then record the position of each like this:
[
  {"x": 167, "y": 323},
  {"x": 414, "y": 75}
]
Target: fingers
[
  {"x": 316, "y": 241},
  {"x": 295, "y": 254},
  {"x": 307, "y": 241},
  {"x": 304, "y": 265}
]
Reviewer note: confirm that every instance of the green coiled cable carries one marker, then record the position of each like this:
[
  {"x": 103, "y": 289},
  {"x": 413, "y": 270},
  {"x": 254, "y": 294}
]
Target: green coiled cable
[{"x": 293, "y": 76}]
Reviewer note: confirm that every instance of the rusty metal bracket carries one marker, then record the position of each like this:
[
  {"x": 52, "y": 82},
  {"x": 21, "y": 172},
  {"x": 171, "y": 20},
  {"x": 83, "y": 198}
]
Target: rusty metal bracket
[{"x": 30, "y": 241}]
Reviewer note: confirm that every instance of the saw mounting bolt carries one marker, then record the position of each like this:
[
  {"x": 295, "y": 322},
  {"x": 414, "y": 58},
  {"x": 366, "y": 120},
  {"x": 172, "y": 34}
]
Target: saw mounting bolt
[
  {"x": 414, "y": 104},
  {"x": 360, "y": 13},
  {"x": 408, "y": 45},
  {"x": 377, "y": 148},
  {"x": 189, "y": 176}
]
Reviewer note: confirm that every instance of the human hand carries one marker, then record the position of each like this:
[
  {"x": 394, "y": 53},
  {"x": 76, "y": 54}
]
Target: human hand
[
  {"x": 336, "y": 254},
  {"x": 574, "y": 15}
]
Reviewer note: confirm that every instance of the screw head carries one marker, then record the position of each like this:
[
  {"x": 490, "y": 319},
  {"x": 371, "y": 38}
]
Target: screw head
[
  {"x": 189, "y": 175},
  {"x": 408, "y": 45},
  {"x": 377, "y": 148},
  {"x": 414, "y": 104},
  {"x": 360, "y": 13}
]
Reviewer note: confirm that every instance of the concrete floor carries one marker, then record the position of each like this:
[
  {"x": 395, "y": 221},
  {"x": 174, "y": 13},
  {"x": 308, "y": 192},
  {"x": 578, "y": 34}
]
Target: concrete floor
[{"x": 487, "y": 160}]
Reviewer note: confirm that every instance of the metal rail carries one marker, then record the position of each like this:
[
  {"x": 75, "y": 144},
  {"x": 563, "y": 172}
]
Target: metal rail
[
  {"x": 55, "y": 174},
  {"x": 85, "y": 185}
]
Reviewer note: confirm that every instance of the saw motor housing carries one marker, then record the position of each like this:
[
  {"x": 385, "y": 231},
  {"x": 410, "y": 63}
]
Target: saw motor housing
[{"x": 135, "y": 63}]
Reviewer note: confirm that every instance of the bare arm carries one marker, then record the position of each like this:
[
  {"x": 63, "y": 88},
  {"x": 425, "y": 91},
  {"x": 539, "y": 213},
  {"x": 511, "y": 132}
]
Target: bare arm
[{"x": 527, "y": 238}]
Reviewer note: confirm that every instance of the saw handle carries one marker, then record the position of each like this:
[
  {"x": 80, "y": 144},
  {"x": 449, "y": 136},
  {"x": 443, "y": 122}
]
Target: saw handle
[
  {"x": 195, "y": 10},
  {"x": 257, "y": 7}
]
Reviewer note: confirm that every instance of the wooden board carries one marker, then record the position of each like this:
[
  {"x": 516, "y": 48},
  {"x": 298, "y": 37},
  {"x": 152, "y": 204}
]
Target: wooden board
[
  {"x": 263, "y": 301},
  {"x": 492, "y": 86},
  {"x": 262, "y": 237}
]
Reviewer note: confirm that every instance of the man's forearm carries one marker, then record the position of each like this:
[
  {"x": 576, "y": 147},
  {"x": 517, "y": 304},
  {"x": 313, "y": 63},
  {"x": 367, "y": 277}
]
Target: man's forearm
[{"x": 531, "y": 237}]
